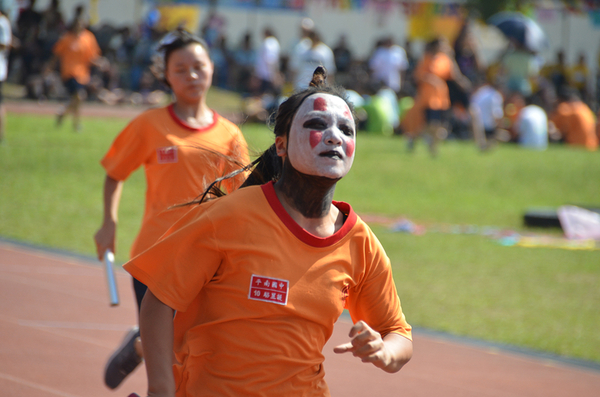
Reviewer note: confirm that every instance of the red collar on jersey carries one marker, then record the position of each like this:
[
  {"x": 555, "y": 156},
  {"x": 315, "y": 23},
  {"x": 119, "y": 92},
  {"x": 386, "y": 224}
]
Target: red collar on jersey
[
  {"x": 188, "y": 127},
  {"x": 301, "y": 233}
]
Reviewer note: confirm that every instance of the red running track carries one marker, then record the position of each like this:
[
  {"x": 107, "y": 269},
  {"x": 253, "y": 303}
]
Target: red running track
[{"x": 57, "y": 330}]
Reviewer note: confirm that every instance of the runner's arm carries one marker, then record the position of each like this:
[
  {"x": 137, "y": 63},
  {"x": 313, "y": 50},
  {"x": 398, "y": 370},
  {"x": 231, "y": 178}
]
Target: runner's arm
[
  {"x": 105, "y": 236},
  {"x": 156, "y": 332}
]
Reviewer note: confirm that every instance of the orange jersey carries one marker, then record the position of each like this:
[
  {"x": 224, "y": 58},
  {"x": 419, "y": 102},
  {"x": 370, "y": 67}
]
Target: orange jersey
[
  {"x": 432, "y": 74},
  {"x": 179, "y": 163},
  {"x": 577, "y": 123},
  {"x": 76, "y": 54},
  {"x": 257, "y": 296},
  {"x": 439, "y": 64}
]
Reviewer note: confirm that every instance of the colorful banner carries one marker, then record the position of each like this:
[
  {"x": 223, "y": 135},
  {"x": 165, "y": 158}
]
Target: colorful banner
[
  {"x": 429, "y": 20},
  {"x": 268, "y": 4},
  {"x": 176, "y": 15}
]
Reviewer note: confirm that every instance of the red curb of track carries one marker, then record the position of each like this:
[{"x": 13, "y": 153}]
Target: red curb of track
[{"x": 57, "y": 330}]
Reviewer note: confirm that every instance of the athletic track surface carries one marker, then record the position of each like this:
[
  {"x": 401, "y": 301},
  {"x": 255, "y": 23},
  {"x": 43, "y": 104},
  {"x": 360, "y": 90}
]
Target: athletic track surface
[{"x": 57, "y": 329}]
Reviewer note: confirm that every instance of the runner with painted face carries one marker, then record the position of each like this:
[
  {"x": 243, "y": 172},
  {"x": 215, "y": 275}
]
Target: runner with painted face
[
  {"x": 258, "y": 277},
  {"x": 322, "y": 137}
]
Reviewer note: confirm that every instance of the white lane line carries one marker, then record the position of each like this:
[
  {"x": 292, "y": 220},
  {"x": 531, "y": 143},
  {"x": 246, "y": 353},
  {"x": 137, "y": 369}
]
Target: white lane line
[
  {"x": 73, "y": 325},
  {"x": 35, "y": 385}
]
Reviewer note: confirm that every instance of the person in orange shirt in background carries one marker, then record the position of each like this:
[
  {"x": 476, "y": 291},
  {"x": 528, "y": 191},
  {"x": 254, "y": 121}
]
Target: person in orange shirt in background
[
  {"x": 182, "y": 147},
  {"x": 256, "y": 279},
  {"x": 432, "y": 75},
  {"x": 77, "y": 50},
  {"x": 574, "y": 120}
]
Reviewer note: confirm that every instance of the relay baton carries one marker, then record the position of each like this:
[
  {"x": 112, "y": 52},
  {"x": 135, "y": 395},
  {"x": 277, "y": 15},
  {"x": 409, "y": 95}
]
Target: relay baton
[{"x": 109, "y": 261}]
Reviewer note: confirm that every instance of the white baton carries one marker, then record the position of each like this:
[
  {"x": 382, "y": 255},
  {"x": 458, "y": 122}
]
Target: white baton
[{"x": 109, "y": 261}]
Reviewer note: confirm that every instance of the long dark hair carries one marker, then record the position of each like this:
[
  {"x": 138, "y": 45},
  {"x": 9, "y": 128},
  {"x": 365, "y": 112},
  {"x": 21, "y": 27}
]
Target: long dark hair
[{"x": 267, "y": 167}]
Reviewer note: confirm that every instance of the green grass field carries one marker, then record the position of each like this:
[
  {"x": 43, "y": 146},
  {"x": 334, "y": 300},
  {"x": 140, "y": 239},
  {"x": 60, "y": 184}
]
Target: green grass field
[{"x": 540, "y": 298}]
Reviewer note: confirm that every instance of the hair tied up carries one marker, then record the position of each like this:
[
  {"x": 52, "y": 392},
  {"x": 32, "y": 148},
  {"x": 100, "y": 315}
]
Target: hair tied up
[{"x": 319, "y": 78}]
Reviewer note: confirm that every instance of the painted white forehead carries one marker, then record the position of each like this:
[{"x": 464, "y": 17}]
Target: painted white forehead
[{"x": 325, "y": 103}]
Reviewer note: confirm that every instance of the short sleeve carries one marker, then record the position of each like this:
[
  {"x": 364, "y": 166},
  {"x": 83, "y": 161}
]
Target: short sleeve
[
  {"x": 375, "y": 300},
  {"x": 129, "y": 150},
  {"x": 178, "y": 266}
]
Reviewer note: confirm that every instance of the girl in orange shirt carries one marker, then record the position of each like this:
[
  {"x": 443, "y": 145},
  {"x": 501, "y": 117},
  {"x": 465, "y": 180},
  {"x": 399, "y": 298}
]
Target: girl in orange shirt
[
  {"x": 258, "y": 277},
  {"x": 180, "y": 146}
]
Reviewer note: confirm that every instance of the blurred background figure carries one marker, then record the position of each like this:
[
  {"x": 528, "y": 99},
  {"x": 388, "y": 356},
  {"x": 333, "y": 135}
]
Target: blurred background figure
[
  {"x": 5, "y": 44},
  {"x": 318, "y": 54},
  {"x": 222, "y": 59},
  {"x": 76, "y": 51},
  {"x": 487, "y": 105},
  {"x": 466, "y": 54},
  {"x": 532, "y": 125},
  {"x": 574, "y": 120},
  {"x": 28, "y": 33},
  {"x": 388, "y": 63},
  {"x": 579, "y": 78},
  {"x": 266, "y": 67},
  {"x": 343, "y": 58},
  {"x": 299, "y": 48},
  {"x": 521, "y": 68},
  {"x": 244, "y": 58},
  {"x": 556, "y": 73}
]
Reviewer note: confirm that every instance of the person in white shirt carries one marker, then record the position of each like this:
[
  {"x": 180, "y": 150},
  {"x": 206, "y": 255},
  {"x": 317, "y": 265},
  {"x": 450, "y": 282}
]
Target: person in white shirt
[
  {"x": 5, "y": 43},
  {"x": 488, "y": 104},
  {"x": 300, "y": 47},
  {"x": 267, "y": 64},
  {"x": 387, "y": 64},
  {"x": 532, "y": 126},
  {"x": 319, "y": 54}
]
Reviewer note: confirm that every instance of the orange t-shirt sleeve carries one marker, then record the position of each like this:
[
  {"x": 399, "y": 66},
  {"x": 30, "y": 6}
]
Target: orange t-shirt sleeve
[
  {"x": 128, "y": 151},
  {"x": 375, "y": 300},
  {"x": 172, "y": 268}
]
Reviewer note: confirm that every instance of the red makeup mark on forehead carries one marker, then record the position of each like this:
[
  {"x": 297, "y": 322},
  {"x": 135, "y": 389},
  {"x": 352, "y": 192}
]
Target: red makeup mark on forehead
[
  {"x": 347, "y": 113},
  {"x": 320, "y": 104},
  {"x": 315, "y": 138},
  {"x": 350, "y": 148}
]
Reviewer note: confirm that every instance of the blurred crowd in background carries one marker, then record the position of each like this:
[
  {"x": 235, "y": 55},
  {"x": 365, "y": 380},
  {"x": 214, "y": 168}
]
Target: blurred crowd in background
[{"x": 445, "y": 92}]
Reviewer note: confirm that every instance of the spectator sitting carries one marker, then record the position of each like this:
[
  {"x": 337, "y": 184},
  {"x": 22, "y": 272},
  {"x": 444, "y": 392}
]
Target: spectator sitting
[
  {"x": 532, "y": 125},
  {"x": 574, "y": 120}
]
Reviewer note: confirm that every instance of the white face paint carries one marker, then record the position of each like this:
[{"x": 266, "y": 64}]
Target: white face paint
[{"x": 322, "y": 137}]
